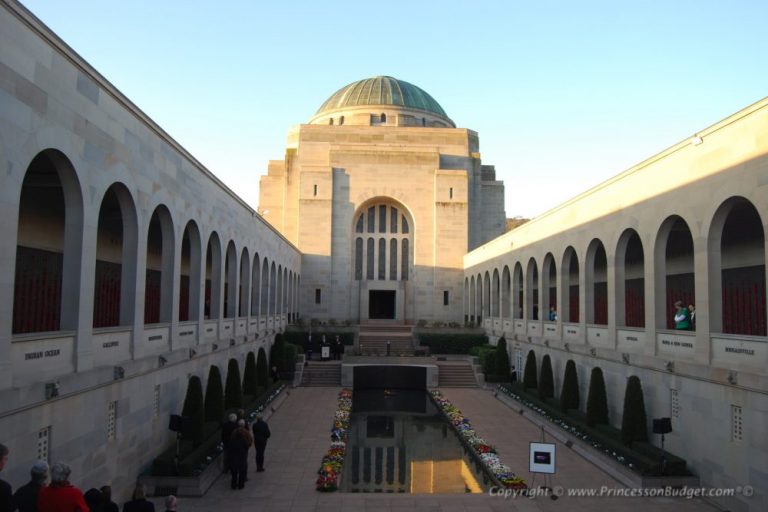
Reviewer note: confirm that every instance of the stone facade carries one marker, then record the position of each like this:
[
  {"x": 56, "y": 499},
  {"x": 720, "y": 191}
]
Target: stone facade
[
  {"x": 89, "y": 182},
  {"x": 687, "y": 224},
  {"x": 431, "y": 174}
]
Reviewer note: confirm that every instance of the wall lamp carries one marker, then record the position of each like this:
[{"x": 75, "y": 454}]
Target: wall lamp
[
  {"x": 118, "y": 372},
  {"x": 52, "y": 389},
  {"x": 162, "y": 361}
]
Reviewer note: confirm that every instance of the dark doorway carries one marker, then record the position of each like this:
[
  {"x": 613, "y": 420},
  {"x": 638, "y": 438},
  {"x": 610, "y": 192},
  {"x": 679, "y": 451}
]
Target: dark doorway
[{"x": 381, "y": 304}]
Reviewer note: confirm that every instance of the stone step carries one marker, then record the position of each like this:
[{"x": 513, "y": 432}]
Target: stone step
[
  {"x": 456, "y": 375},
  {"x": 322, "y": 374}
]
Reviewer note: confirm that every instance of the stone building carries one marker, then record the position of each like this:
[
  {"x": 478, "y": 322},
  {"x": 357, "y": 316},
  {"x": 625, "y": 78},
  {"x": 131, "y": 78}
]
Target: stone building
[
  {"x": 383, "y": 196},
  {"x": 126, "y": 266}
]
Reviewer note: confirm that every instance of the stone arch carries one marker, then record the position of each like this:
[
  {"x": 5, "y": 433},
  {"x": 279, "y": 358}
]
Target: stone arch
[
  {"x": 532, "y": 290},
  {"x": 736, "y": 249},
  {"x": 189, "y": 281},
  {"x": 570, "y": 285},
  {"x": 549, "y": 288},
  {"x": 213, "y": 268},
  {"x": 158, "y": 290},
  {"x": 517, "y": 291},
  {"x": 49, "y": 246},
  {"x": 495, "y": 295},
  {"x": 674, "y": 269},
  {"x": 230, "y": 281},
  {"x": 506, "y": 292},
  {"x": 630, "y": 280}
]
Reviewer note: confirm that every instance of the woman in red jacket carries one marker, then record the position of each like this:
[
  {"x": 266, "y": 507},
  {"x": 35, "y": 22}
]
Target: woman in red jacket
[{"x": 60, "y": 495}]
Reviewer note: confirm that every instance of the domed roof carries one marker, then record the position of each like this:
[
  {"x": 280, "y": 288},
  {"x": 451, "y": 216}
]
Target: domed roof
[{"x": 382, "y": 90}]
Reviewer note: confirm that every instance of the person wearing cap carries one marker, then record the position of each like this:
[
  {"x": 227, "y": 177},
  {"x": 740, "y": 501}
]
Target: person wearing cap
[
  {"x": 60, "y": 495},
  {"x": 171, "y": 503},
  {"x": 6, "y": 492},
  {"x": 25, "y": 498}
]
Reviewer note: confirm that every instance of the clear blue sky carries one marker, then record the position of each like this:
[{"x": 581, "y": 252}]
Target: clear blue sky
[{"x": 563, "y": 94}]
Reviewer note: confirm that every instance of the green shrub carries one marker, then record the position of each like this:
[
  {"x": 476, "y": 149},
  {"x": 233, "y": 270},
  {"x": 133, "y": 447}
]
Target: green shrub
[
  {"x": 262, "y": 370},
  {"x": 489, "y": 364},
  {"x": 277, "y": 352},
  {"x": 547, "y": 384},
  {"x": 194, "y": 410},
  {"x": 289, "y": 360},
  {"x": 634, "y": 424},
  {"x": 529, "y": 375},
  {"x": 597, "y": 401},
  {"x": 250, "y": 383},
  {"x": 451, "y": 343},
  {"x": 214, "y": 396},
  {"x": 233, "y": 392},
  {"x": 503, "y": 371},
  {"x": 569, "y": 396}
]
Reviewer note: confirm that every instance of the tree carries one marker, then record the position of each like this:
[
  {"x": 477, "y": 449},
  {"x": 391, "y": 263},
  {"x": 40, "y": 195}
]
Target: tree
[
  {"x": 597, "y": 401},
  {"x": 262, "y": 370},
  {"x": 233, "y": 393},
  {"x": 214, "y": 396},
  {"x": 502, "y": 361},
  {"x": 547, "y": 384},
  {"x": 529, "y": 376},
  {"x": 277, "y": 353},
  {"x": 194, "y": 411},
  {"x": 634, "y": 424},
  {"x": 569, "y": 396},
  {"x": 250, "y": 383}
]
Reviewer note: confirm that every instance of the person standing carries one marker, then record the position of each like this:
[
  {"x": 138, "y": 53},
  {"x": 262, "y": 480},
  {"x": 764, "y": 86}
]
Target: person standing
[
  {"x": 139, "y": 503},
  {"x": 692, "y": 314},
  {"x": 61, "y": 496},
  {"x": 226, "y": 434},
  {"x": 682, "y": 317},
  {"x": 552, "y": 314},
  {"x": 239, "y": 444},
  {"x": 171, "y": 503},
  {"x": 25, "y": 498},
  {"x": 94, "y": 500},
  {"x": 106, "y": 496},
  {"x": 6, "y": 492},
  {"x": 260, "y": 435}
]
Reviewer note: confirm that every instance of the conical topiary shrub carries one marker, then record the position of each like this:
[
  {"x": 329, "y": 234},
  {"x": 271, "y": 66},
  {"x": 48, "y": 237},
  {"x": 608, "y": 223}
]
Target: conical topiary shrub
[
  {"x": 634, "y": 424},
  {"x": 277, "y": 353},
  {"x": 214, "y": 396},
  {"x": 529, "y": 376},
  {"x": 262, "y": 370},
  {"x": 569, "y": 396},
  {"x": 233, "y": 392},
  {"x": 250, "y": 383},
  {"x": 597, "y": 401},
  {"x": 194, "y": 411},
  {"x": 502, "y": 361},
  {"x": 547, "y": 384}
]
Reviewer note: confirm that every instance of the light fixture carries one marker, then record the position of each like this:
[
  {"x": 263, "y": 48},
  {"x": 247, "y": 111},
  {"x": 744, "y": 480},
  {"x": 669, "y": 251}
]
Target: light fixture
[
  {"x": 733, "y": 378},
  {"x": 696, "y": 140},
  {"x": 162, "y": 361},
  {"x": 192, "y": 353},
  {"x": 593, "y": 352},
  {"x": 625, "y": 358},
  {"x": 670, "y": 366},
  {"x": 52, "y": 390},
  {"x": 214, "y": 347},
  {"x": 118, "y": 372},
  {"x": 232, "y": 342}
]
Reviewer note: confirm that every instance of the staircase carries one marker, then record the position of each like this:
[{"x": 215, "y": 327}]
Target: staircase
[
  {"x": 322, "y": 373},
  {"x": 374, "y": 337},
  {"x": 456, "y": 374}
]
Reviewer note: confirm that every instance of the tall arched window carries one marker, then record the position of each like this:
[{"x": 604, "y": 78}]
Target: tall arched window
[{"x": 392, "y": 229}]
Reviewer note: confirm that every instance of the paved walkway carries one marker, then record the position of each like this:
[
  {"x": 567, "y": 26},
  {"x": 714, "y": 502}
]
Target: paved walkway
[{"x": 300, "y": 437}]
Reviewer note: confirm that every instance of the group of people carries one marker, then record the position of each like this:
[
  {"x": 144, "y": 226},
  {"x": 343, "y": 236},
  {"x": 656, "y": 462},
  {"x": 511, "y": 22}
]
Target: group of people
[
  {"x": 61, "y": 496},
  {"x": 685, "y": 317},
  {"x": 336, "y": 348},
  {"x": 237, "y": 438}
]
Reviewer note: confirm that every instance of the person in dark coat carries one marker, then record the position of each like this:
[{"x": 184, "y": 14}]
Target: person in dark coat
[
  {"x": 106, "y": 499},
  {"x": 6, "y": 491},
  {"x": 25, "y": 498},
  {"x": 239, "y": 444},
  {"x": 94, "y": 500},
  {"x": 260, "y": 435},
  {"x": 226, "y": 434},
  {"x": 171, "y": 503},
  {"x": 139, "y": 503}
]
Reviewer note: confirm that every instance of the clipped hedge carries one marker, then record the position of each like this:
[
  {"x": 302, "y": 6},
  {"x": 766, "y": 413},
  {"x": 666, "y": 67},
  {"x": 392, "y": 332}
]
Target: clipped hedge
[
  {"x": 250, "y": 382},
  {"x": 262, "y": 371},
  {"x": 529, "y": 376},
  {"x": 597, "y": 400},
  {"x": 547, "y": 384},
  {"x": 194, "y": 409},
  {"x": 634, "y": 423},
  {"x": 503, "y": 370},
  {"x": 644, "y": 457},
  {"x": 451, "y": 343},
  {"x": 214, "y": 396},
  {"x": 192, "y": 458},
  {"x": 569, "y": 395},
  {"x": 233, "y": 392}
]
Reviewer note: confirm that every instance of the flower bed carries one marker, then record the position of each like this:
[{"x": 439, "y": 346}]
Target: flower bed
[
  {"x": 485, "y": 451},
  {"x": 642, "y": 458},
  {"x": 333, "y": 460}
]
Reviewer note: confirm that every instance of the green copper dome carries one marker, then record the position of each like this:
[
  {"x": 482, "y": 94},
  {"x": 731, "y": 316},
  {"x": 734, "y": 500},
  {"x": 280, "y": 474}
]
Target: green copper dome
[{"x": 382, "y": 90}]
